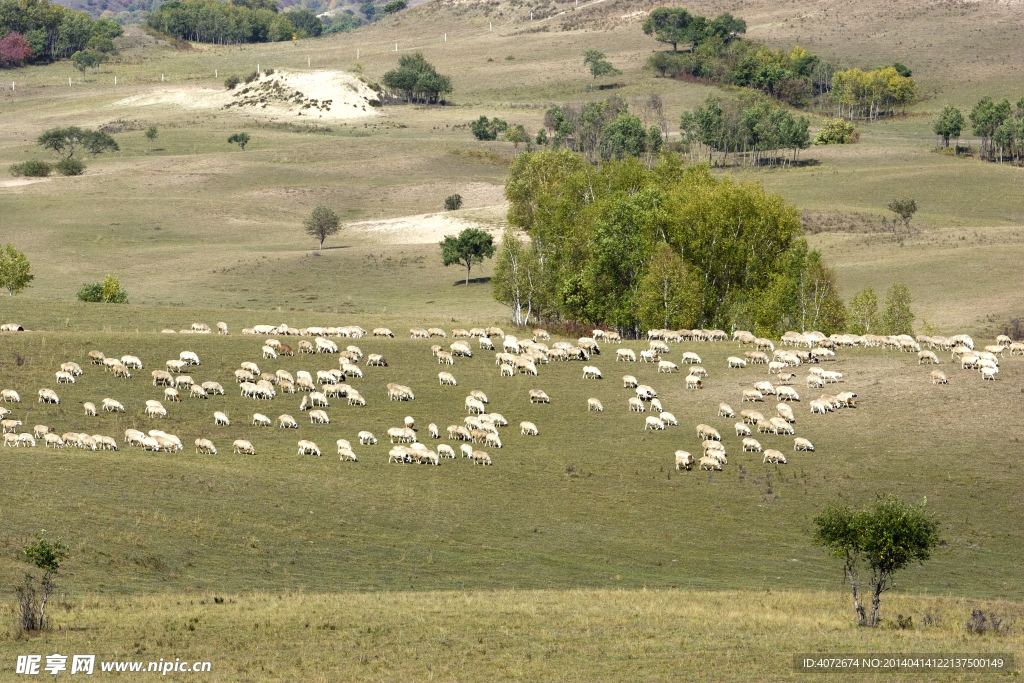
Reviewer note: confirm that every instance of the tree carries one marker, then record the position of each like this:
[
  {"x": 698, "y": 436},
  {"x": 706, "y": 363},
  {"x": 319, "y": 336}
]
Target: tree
[
  {"x": 107, "y": 292},
  {"x": 864, "y": 312},
  {"x": 905, "y": 209},
  {"x": 416, "y": 79},
  {"x": 471, "y": 246},
  {"x": 321, "y": 223},
  {"x": 306, "y": 22},
  {"x": 241, "y": 139},
  {"x": 15, "y": 49},
  {"x": 34, "y": 593},
  {"x": 88, "y": 59},
  {"x": 151, "y": 134},
  {"x": 897, "y": 318},
  {"x": 517, "y": 136},
  {"x": 453, "y": 202},
  {"x": 542, "y": 137},
  {"x": 96, "y": 142},
  {"x": 15, "y": 270},
  {"x": 63, "y": 141},
  {"x": 886, "y": 539},
  {"x": 949, "y": 125},
  {"x": 669, "y": 295},
  {"x": 518, "y": 278},
  {"x": 669, "y": 25},
  {"x": 599, "y": 66},
  {"x": 395, "y": 6}
]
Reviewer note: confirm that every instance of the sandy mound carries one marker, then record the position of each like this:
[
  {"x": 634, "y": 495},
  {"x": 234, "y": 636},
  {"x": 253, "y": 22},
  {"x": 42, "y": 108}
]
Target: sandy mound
[
  {"x": 280, "y": 95},
  {"x": 424, "y": 228},
  {"x": 18, "y": 182}
]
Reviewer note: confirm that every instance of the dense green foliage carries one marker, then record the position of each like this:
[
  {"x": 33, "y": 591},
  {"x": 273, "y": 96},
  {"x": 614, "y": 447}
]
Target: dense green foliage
[
  {"x": 33, "y": 168},
  {"x": 864, "y": 312},
  {"x": 321, "y": 223},
  {"x": 223, "y": 23},
  {"x": 884, "y": 539},
  {"x": 904, "y": 208},
  {"x": 472, "y": 245},
  {"x": 89, "y": 59},
  {"x": 1001, "y": 129},
  {"x": 753, "y": 130},
  {"x": 949, "y": 125},
  {"x": 601, "y": 131},
  {"x": 897, "y": 318},
  {"x": 837, "y": 132},
  {"x": 307, "y": 24},
  {"x": 15, "y": 270},
  {"x": 342, "y": 22},
  {"x": 735, "y": 254},
  {"x": 37, "y": 31},
  {"x": 416, "y": 80},
  {"x": 70, "y": 167},
  {"x": 66, "y": 141},
  {"x": 675, "y": 25},
  {"x": 453, "y": 202},
  {"x": 107, "y": 292},
  {"x": 240, "y": 139},
  {"x": 488, "y": 129},
  {"x": 394, "y": 6},
  {"x": 34, "y": 593}
]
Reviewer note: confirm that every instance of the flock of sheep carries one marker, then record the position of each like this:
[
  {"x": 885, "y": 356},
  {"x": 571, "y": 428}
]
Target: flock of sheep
[{"x": 516, "y": 356}]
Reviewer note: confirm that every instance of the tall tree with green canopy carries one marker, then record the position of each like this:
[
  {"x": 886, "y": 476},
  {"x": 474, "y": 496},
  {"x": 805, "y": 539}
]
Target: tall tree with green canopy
[
  {"x": 599, "y": 66},
  {"x": 321, "y": 223},
  {"x": 897, "y": 318},
  {"x": 668, "y": 294},
  {"x": 864, "y": 312},
  {"x": 949, "y": 125},
  {"x": 669, "y": 25},
  {"x": 472, "y": 245},
  {"x": 518, "y": 277},
  {"x": 15, "y": 270}
]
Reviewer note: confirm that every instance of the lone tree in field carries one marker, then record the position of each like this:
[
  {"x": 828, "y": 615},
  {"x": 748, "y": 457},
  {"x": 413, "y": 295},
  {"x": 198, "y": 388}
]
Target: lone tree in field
[
  {"x": 949, "y": 125},
  {"x": 240, "y": 139},
  {"x": 471, "y": 246},
  {"x": 151, "y": 134},
  {"x": 321, "y": 223},
  {"x": 15, "y": 270},
  {"x": 884, "y": 540},
  {"x": 905, "y": 209},
  {"x": 96, "y": 142},
  {"x": 35, "y": 592},
  {"x": 599, "y": 66}
]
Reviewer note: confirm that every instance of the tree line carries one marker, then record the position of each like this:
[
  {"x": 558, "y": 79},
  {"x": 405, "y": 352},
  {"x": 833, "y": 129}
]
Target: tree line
[
  {"x": 752, "y": 129},
  {"x": 238, "y": 21},
  {"x": 633, "y": 247},
  {"x": 1000, "y": 126},
  {"x": 35, "y": 31},
  {"x": 872, "y": 94}
]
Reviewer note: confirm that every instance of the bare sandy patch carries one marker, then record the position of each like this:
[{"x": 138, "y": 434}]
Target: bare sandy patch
[
  {"x": 323, "y": 96},
  {"x": 17, "y": 182},
  {"x": 426, "y": 228}
]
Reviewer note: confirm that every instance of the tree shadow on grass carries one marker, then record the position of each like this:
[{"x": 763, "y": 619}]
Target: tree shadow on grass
[{"x": 472, "y": 281}]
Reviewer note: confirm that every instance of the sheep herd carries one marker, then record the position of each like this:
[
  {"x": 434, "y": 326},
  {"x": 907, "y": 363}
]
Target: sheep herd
[{"x": 526, "y": 356}]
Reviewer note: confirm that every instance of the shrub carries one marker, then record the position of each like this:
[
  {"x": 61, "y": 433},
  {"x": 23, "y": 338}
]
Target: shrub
[
  {"x": 70, "y": 166},
  {"x": 231, "y": 81},
  {"x": 33, "y": 168},
  {"x": 252, "y": 77},
  {"x": 837, "y": 132},
  {"x": 453, "y": 202},
  {"x": 109, "y": 291}
]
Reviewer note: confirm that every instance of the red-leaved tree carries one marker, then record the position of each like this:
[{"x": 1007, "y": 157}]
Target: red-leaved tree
[{"x": 15, "y": 49}]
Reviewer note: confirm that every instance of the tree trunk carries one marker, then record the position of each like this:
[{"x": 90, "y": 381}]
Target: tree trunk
[{"x": 468, "y": 267}]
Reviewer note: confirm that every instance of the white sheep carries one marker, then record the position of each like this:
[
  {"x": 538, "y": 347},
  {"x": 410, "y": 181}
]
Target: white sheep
[
  {"x": 684, "y": 461},
  {"x": 742, "y": 429},
  {"x": 171, "y": 394},
  {"x": 725, "y": 410},
  {"x": 653, "y": 422},
  {"x": 539, "y": 396},
  {"x": 669, "y": 419},
  {"x": 627, "y": 355},
  {"x": 205, "y": 446},
  {"x": 802, "y": 444},
  {"x": 594, "y": 404},
  {"x": 308, "y": 448},
  {"x": 221, "y": 419},
  {"x": 708, "y": 432},
  {"x": 710, "y": 463},
  {"x": 694, "y": 382},
  {"x": 591, "y": 372},
  {"x": 636, "y": 405},
  {"x": 785, "y": 412},
  {"x": 773, "y": 456},
  {"x": 528, "y": 429},
  {"x": 156, "y": 411},
  {"x": 432, "y": 430},
  {"x": 750, "y": 444},
  {"x": 735, "y": 362},
  {"x": 90, "y": 409},
  {"x": 667, "y": 366},
  {"x": 690, "y": 357},
  {"x": 48, "y": 396},
  {"x": 64, "y": 377},
  {"x": 261, "y": 420},
  {"x": 787, "y": 394}
]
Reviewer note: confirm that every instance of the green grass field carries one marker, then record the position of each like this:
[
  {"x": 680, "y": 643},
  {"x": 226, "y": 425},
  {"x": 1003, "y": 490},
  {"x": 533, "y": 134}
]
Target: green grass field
[{"x": 581, "y": 554}]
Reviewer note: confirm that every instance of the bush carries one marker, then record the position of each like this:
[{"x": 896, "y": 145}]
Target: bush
[
  {"x": 231, "y": 81},
  {"x": 70, "y": 166},
  {"x": 837, "y": 132},
  {"x": 33, "y": 168},
  {"x": 109, "y": 291},
  {"x": 453, "y": 202},
  {"x": 252, "y": 77}
]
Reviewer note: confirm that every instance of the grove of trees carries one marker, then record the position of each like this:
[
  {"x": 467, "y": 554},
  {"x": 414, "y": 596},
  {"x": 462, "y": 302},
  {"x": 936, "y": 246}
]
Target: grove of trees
[
  {"x": 34, "y": 31},
  {"x": 633, "y": 247},
  {"x": 872, "y": 94},
  {"x": 1000, "y": 126},
  {"x": 753, "y": 130},
  {"x": 603, "y": 130},
  {"x": 226, "y": 23},
  {"x": 416, "y": 80}
]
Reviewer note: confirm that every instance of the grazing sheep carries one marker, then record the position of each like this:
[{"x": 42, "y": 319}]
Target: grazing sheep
[
  {"x": 156, "y": 411},
  {"x": 55, "y": 441},
  {"x": 188, "y": 357},
  {"x": 480, "y": 458},
  {"x": 989, "y": 373},
  {"x": 649, "y": 356},
  {"x": 269, "y": 352},
  {"x": 221, "y": 419},
  {"x": 752, "y": 445},
  {"x": 684, "y": 461},
  {"x": 286, "y": 422},
  {"x": 162, "y": 378},
  {"x": 725, "y": 410},
  {"x": 697, "y": 371},
  {"x": 656, "y": 405},
  {"x": 445, "y": 451},
  {"x": 410, "y": 423},
  {"x": 71, "y": 367},
  {"x": 594, "y": 404},
  {"x": 48, "y": 396},
  {"x": 694, "y": 382},
  {"x": 39, "y": 431},
  {"x": 735, "y": 362},
  {"x": 667, "y": 366},
  {"x": 243, "y": 446},
  {"x": 97, "y": 357},
  {"x": 355, "y": 398},
  {"x": 528, "y": 429},
  {"x": 10, "y": 395},
  {"x": 780, "y": 426},
  {"x": 787, "y": 394},
  {"x": 708, "y": 462},
  {"x": 345, "y": 451},
  {"x": 708, "y": 432},
  {"x": 742, "y": 429},
  {"x": 846, "y": 399},
  {"x": 474, "y": 406},
  {"x": 653, "y": 422},
  {"x": 432, "y": 430},
  {"x": 802, "y": 444},
  {"x": 625, "y": 355},
  {"x": 261, "y": 420},
  {"x": 496, "y": 419},
  {"x": 205, "y": 446},
  {"x": 90, "y": 409},
  {"x": 636, "y": 405},
  {"x": 669, "y": 419},
  {"x": 785, "y": 412},
  {"x": 538, "y": 396},
  {"x": 308, "y": 448},
  {"x": 815, "y": 382},
  {"x": 171, "y": 394},
  {"x": 64, "y": 377},
  {"x": 376, "y": 360},
  {"x": 690, "y": 357},
  {"x": 591, "y": 372},
  {"x": 645, "y": 393},
  {"x": 222, "y": 328},
  {"x": 399, "y": 392},
  {"x": 773, "y": 456},
  {"x": 212, "y": 388},
  {"x": 351, "y": 370}
]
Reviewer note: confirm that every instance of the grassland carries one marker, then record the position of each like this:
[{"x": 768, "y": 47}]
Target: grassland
[{"x": 582, "y": 554}]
